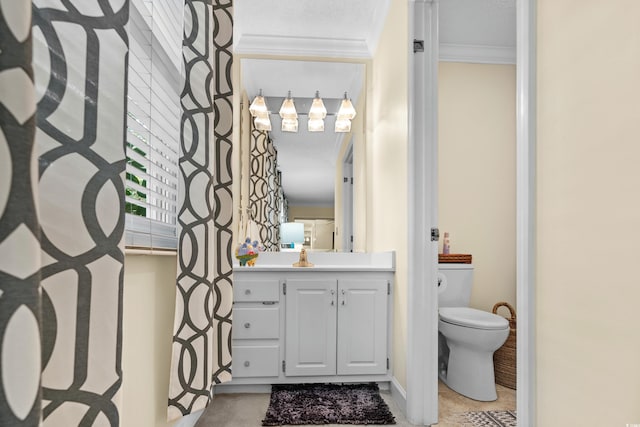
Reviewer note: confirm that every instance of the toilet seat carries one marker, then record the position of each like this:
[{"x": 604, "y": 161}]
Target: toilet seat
[{"x": 472, "y": 318}]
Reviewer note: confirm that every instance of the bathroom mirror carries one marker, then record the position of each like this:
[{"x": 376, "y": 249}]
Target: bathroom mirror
[{"x": 311, "y": 165}]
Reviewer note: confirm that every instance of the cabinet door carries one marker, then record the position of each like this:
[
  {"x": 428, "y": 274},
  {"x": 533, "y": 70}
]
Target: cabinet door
[
  {"x": 362, "y": 327},
  {"x": 310, "y": 346}
]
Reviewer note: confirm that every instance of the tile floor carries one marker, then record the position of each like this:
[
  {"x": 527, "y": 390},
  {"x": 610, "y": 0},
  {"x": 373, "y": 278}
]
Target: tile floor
[
  {"x": 247, "y": 410},
  {"x": 452, "y": 404}
]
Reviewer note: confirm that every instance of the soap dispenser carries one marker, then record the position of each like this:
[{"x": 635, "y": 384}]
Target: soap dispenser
[{"x": 446, "y": 244}]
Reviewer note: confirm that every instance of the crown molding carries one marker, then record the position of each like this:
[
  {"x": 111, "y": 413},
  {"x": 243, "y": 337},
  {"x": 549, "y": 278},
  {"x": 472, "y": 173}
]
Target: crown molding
[
  {"x": 377, "y": 25},
  {"x": 302, "y": 46},
  {"x": 482, "y": 54}
]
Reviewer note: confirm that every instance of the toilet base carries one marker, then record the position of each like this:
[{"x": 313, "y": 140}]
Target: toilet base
[{"x": 469, "y": 374}]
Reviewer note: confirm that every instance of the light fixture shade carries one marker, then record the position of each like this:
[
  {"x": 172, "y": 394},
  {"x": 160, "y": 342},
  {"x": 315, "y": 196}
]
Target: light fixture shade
[
  {"x": 317, "y": 110},
  {"x": 262, "y": 123},
  {"x": 289, "y": 125},
  {"x": 258, "y": 107},
  {"x": 315, "y": 125},
  {"x": 346, "y": 108},
  {"x": 292, "y": 232},
  {"x": 343, "y": 124},
  {"x": 288, "y": 109}
]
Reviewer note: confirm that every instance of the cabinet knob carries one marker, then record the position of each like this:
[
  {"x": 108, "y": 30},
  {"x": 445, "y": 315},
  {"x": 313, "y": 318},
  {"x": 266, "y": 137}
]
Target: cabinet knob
[
  {"x": 247, "y": 325},
  {"x": 247, "y": 292},
  {"x": 246, "y": 364}
]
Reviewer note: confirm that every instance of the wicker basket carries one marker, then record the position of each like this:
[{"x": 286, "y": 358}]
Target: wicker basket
[
  {"x": 504, "y": 359},
  {"x": 454, "y": 258}
]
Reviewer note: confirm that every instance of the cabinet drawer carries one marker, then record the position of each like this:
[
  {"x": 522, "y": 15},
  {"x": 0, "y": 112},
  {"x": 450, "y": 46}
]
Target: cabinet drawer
[
  {"x": 256, "y": 290},
  {"x": 255, "y": 323},
  {"x": 255, "y": 361}
]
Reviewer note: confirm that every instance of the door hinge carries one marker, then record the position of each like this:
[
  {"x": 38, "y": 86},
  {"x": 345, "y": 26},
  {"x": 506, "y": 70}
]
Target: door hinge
[
  {"x": 388, "y": 288},
  {"x": 435, "y": 234},
  {"x": 284, "y": 366},
  {"x": 418, "y": 45},
  {"x": 351, "y": 180},
  {"x": 351, "y": 239},
  {"x": 284, "y": 288},
  {"x": 387, "y": 363}
]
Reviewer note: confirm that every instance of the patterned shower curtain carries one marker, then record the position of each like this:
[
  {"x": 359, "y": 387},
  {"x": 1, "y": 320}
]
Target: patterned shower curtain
[
  {"x": 61, "y": 211},
  {"x": 202, "y": 328},
  {"x": 266, "y": 199}
]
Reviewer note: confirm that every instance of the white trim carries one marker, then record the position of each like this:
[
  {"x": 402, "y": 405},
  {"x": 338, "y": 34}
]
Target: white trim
[
  {"x": 150, "y": 251},
  {"x": 241, "y": 388},
  {"x": 399, "y": 395},
  {"x": 302, "y": 46},
  {"x": 422, "y": 295},
  {"x": 480, "y": 54},
  {"x": 266, "y": 388},
  {"x": 421, "y": 364},
  {"x": 525, "y": 210},
  {"x": 189, "y": 420}
]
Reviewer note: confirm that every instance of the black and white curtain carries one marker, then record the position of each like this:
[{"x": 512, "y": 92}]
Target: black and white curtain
[
  {"x": 265, "y": 189},
  {"x": 63, "y": 72},
  {"x": 202, "y": 328}
]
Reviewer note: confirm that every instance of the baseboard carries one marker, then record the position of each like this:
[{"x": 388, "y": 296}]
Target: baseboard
[
  {"x": 242, "y": 388},
  {"x": 189, "y": 420},
  {"x": 266, "y": 388},
  {"x": 399, "y": 394}
]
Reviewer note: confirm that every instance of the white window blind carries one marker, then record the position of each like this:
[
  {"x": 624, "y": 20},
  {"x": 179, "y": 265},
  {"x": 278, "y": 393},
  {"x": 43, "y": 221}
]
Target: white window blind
[{"x": 153, "y": 123}]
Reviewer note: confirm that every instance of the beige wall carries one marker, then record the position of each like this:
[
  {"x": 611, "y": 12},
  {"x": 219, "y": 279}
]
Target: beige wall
[
  {"x": 386, "y": 172},
  {"x": 310, "y": 212},
  {"x": 149, "y": 302},
  {"x": 588, "y": 213},
  {"x": 477, "y": 173}
]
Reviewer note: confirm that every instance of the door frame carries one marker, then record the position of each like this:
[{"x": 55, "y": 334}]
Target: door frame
[
  {"x": 422, "y": 317},
  {"x": 347, "y": 199}
]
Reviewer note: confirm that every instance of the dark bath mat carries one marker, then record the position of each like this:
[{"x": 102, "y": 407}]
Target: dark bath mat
[{"x": 299, "y": 404}]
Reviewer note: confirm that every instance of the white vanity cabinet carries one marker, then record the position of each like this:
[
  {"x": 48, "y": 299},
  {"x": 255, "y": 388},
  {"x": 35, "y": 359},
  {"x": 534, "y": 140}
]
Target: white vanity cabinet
[
  {"x": 336, "y": 326},
  {"x": 322, "y": 324},
  {"x": 256, "y": 328}
]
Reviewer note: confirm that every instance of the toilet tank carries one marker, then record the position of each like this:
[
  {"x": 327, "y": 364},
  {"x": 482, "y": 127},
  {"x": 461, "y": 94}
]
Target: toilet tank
[{"x": 454, "y": 284}]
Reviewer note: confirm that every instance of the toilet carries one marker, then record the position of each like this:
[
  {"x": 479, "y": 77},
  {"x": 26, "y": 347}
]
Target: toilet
[{"x": 467, "y": 338}]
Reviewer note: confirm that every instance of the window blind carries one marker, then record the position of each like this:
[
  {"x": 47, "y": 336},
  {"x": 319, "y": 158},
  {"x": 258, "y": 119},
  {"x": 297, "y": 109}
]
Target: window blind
[{"x": 153, "y": 123}]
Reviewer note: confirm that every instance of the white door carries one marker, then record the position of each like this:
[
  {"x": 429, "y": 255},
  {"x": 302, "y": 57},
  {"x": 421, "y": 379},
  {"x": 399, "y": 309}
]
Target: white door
[
  {"x": 310, "y": 335},
  {"x": 362, "y": 327}
]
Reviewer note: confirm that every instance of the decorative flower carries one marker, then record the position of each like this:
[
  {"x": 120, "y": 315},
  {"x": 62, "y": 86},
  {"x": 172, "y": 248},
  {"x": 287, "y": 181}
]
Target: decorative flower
[{"x": 248, "y": 251}]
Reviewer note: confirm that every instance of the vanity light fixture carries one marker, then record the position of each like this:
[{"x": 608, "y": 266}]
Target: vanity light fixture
[
  {"x": 262, "y": 123},
  {"x": 317, "y": 113},
  {"x": 289, "y": 115},
  {"x": 258, "y": 107},
  {"x": 288, "y": 109},
  {"x": 315, "y": 125},
  {"x": 317, "y": 110},
  {"x": 346, "y": 108},
  {"x": 343, "y": 124},
  {"x": 289, "y": 125}
]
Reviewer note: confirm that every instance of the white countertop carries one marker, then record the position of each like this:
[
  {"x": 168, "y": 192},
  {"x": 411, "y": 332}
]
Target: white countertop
[{"x": 323, "y": 261}]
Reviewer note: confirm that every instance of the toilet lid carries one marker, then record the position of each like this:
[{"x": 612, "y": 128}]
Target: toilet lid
[{"x": 472, "y": 318}]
